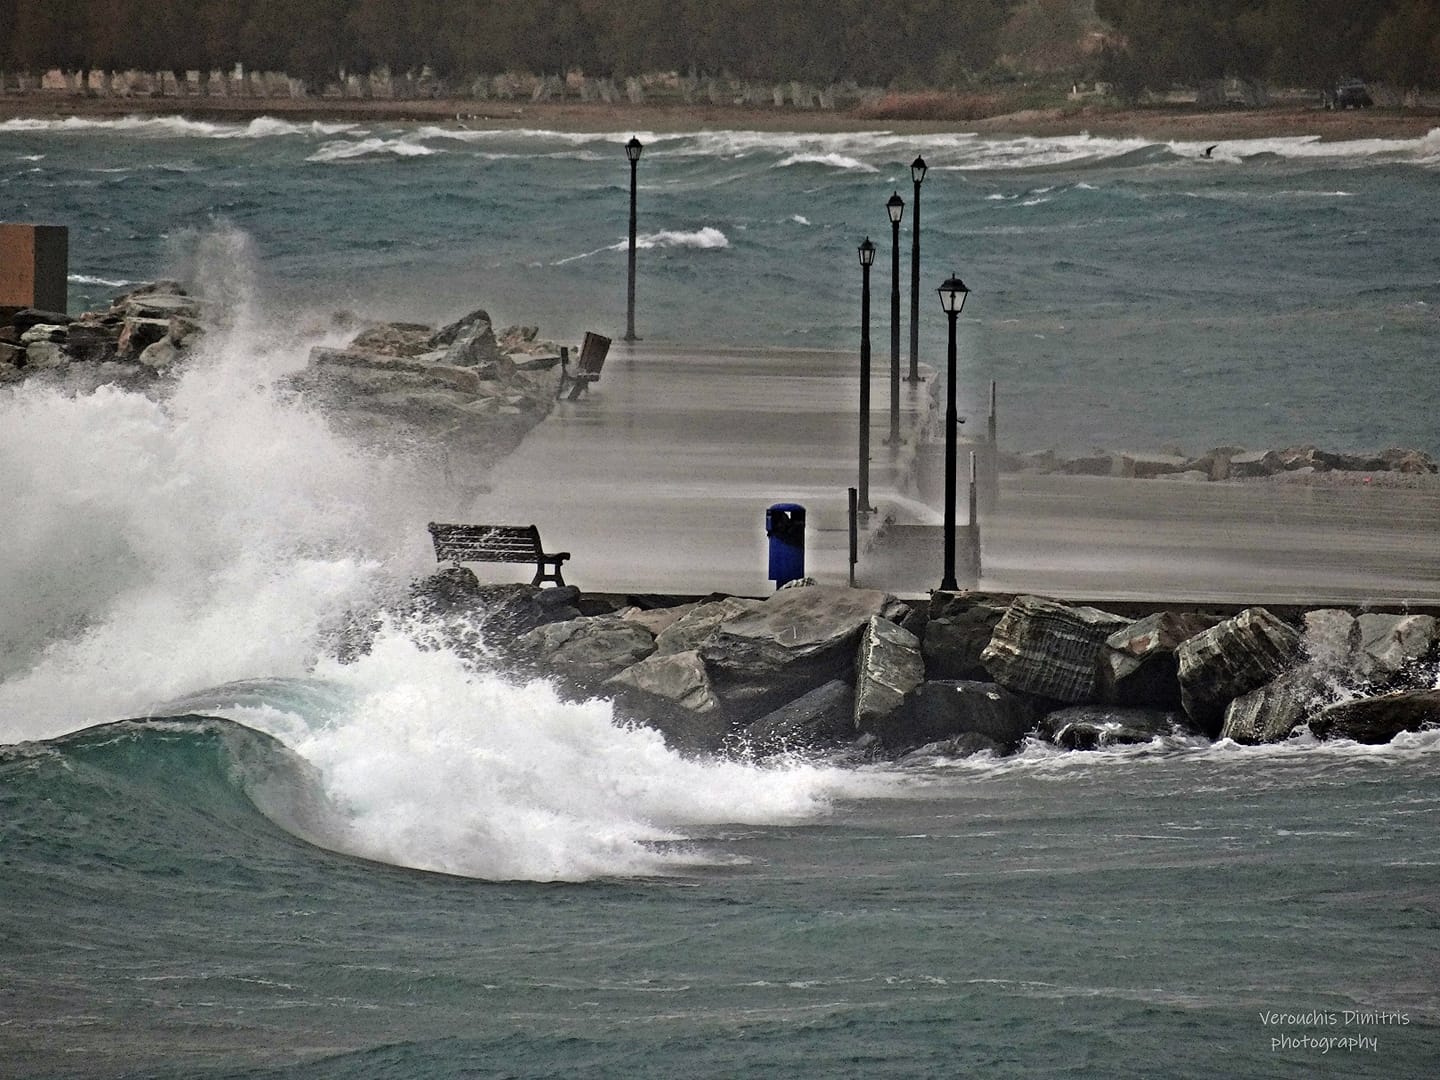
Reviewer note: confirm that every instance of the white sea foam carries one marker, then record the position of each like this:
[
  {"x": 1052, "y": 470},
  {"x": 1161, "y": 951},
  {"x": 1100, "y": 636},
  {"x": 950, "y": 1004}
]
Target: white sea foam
[
  {"x": 834, "y": 161},
  {"x": 438, "y": 768},
  {"x": 707, "y": 238},
  {"x": 111, "y": 283},
  {"x": 260, "y": 127},
  {"x": 346, "y": 150}
]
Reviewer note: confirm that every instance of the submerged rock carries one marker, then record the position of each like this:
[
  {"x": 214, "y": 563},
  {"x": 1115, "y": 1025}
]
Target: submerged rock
[
  {"x": 1378, "y": 719},
  {"x": 1089, "y": 727},
  {"x": 1050, "y": 649},
  {"x": 943, "y": 709}
]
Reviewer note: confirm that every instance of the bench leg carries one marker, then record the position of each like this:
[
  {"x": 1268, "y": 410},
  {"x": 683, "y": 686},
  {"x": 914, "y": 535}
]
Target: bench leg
[{"x": 541, "y": 576}]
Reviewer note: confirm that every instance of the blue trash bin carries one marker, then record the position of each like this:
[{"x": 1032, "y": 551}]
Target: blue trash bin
[{"x": 785, "y": 526}]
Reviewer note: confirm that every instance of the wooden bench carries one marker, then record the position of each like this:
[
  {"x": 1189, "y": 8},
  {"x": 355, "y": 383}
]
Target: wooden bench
[
  {"x": 592, "y": 361},
  {"x": 497, "y": 543}
]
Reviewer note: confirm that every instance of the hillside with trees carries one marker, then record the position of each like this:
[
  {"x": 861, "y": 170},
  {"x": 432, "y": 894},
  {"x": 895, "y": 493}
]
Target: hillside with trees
[{"x": 1136, "y": 45}]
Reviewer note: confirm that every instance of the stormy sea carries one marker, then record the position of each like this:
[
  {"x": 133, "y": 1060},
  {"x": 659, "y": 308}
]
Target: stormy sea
[{"x": 227, "y": 849}]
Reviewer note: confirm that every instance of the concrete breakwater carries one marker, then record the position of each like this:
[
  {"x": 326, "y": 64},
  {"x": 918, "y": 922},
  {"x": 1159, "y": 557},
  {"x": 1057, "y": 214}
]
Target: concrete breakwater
[
  {"x": 1223, "y": 463},
  {"x": 859, "y": 672}
]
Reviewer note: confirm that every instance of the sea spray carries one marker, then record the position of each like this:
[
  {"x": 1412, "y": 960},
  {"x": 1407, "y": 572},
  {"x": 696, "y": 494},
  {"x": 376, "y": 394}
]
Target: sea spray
[{"x": 156, "y": 547}]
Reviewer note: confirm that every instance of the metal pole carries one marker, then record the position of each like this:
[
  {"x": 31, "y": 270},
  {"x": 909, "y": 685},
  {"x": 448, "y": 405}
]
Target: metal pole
[
  {"x": 854, "y": 533},
  {"x": 914, "y": 375},
  {"x": 865, "y": 506},
  {"x": 974, "y": 522},
  {"x": 992, "y": 461},
  {"x": 630, "y": 288},
  {"x": 947, "y": 583},
  {"x": 895, "y": 333}
]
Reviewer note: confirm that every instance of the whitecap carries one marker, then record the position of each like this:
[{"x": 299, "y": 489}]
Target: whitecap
[
  {"x": 344, "y": 150},
  {"x": 834, "y": 161},
  {"x": 115, "y": 283}
]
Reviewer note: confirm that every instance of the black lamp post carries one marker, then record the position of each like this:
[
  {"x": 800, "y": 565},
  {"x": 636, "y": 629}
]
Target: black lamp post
[
  {"x": 867, "y": 260},
  {"x": 952, "y": 299},
  {"x": 917, "y": 174},
  {"x": 895, "y": 207},
  {"x": 632, "y": 151}
]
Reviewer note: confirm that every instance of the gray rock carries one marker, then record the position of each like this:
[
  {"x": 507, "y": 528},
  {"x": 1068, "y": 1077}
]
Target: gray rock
[
  {"x": 25, "y": 318},
  {"x": 1270, "y": 713},
  {"x": 1227, "y": 661},
  {"x": 159, "y": 356},
  {"x": 943, "y": 709},
  {"x": 1378, "y": 719},
  {"x": 1090, "y": 727},
  {"x": 815, "y": 720},
  {"x": 959, "y": 628},
  {"x": 796, "y": 640},
  {"x": 9, "y": 373},
  {"x": 657, "y": 620},
  {"x": 697, "y": 625},
  {"x": 44, "y": 332},
  {"x": 591, "y": 650},
  {"x": 470, "y": 342},
  {"x": 1330, "y": 639},
  {"x": 45, "y": 356},
  {"x": 1138, "y": 664},
  {"x": 1389, "y": 642},
  {"x": 1251, "y": 465},
  {"x": 887, "y": 667},
  {"x": 136, "y": 335},
  {"x": 1149, "y": 466},
  {"x": 91, "y": 342},
  {"x": 396, "y": 339},
  {"x": 1050, "y": 649},
  {"x": 679, "y": 678},
  {"x": 159, "y": 306}
]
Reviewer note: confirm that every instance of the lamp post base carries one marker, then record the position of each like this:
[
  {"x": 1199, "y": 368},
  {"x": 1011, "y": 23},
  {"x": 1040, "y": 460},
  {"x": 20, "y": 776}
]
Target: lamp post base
[
  {"x": 914, "y": 378},
  {"x": 948, "y": 585}
]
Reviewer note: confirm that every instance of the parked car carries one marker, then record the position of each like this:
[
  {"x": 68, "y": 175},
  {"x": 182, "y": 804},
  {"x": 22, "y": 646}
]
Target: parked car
[{"x": 1351, "y": 94}]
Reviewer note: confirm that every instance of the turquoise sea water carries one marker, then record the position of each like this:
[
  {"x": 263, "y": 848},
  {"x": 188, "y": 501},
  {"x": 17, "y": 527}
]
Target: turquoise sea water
[
  {"x": 402, "y": 867},
  {"x": 1125, "y": 294}
]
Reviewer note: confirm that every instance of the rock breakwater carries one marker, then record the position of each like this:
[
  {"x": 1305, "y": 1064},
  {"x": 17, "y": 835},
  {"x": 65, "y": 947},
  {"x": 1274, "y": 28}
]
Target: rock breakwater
[{"x": 859, "y": 672}]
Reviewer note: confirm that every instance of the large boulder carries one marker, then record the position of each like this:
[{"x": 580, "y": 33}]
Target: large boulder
[
  {"x": 1389, "y": 642},
  {"x": 1270, "y": 713},
  {"x": 887, "y": 667},
  {"x": 679, "y": 678},
  {"x": 588, "y": 650},
  {"x": 796, "y": 640},
  {"x": 1049, "y": 649},
  {"x": 1229, "y": 660},
  {"x": 821, "y": 718},
  {"x": 1330, "y": 639},
  {"x": 940, "y": 710},
  {"x": 470, "y": 342},
  {"x": 1090, "y": 727},
  {"x": 1138, "y": 665},
  {"x": 959, "y": 627},
  {"x": 1378, "y": 719},
  {"x": 697, "y": 624}
]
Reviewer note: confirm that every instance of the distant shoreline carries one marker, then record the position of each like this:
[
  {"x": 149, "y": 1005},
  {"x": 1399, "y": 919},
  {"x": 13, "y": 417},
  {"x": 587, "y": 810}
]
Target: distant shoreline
[{"x": 1157, "y": 123}]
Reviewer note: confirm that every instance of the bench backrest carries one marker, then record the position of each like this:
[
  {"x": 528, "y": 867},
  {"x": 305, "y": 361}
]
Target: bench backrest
[
  {"x": 593, "y": 353},
  {"x": 486, "y": 543}
]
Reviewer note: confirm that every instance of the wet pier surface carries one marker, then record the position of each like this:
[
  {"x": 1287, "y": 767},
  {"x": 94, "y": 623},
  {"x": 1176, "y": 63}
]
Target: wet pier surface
[{"x": 658, "y": 478}]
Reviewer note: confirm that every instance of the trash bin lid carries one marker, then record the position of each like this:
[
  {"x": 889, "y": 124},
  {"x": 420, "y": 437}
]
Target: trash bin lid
[{"x": 788, "y": 507}]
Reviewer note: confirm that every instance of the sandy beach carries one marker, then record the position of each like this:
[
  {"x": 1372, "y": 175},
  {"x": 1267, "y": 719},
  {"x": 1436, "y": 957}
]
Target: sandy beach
[{"x": 1160, "y": 123}]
